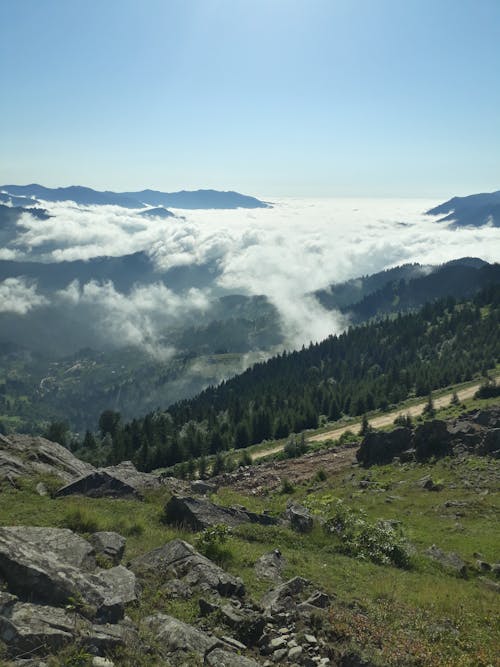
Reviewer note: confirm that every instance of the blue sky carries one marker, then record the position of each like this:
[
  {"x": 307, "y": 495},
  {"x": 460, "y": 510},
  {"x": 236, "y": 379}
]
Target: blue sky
[{"x": 270, "y": 97}]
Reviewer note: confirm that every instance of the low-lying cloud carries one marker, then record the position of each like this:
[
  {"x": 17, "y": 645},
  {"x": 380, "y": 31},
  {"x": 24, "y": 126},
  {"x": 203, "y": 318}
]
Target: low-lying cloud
[
  {"x": 285, "y": 252},
  {"x": 19, "y": 297}
]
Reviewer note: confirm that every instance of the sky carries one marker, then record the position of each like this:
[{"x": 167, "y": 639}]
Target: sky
[{"x": 276, "y": 98}]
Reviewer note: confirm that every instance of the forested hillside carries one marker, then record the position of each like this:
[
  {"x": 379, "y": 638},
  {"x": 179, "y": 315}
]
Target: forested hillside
[{"x": 368, "y": 367}]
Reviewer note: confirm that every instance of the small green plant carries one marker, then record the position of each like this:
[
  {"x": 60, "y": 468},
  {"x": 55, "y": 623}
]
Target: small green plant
[
  {"x": 212, "y": 543},
  {"x": 245, "y": 459},
  {"x": 295, "y": 447},
  {"x": 321, "y": 475},
  {"x": 287, "y": 487},
  {"x": 72, "y": 656},
  {"x": 429, "y": 409}
]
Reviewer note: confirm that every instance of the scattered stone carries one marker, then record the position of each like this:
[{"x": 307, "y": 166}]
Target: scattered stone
[
  {"x": 174, "y": 636},
  {"x": 220, "y": 658},
  {"x": 295, "y": 652},
  {"x": 109, "y": 545},
  {"x": 299, "y": 516},
  {"x": 202, "y": 488}
]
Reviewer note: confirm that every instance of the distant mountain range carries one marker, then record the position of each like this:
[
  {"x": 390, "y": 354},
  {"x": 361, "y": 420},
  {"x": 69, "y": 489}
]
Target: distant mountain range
[
  {"x": 472, "y": 211},
  {"x": 24, "y": 195}
]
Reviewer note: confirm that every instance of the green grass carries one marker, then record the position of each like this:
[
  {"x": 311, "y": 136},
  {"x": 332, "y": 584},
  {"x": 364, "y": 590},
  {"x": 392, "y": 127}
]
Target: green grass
[{"x": 425, "y": 612}]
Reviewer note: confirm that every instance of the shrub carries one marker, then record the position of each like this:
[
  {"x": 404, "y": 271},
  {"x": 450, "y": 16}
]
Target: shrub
[
  {"x": 488, "y": 390},
  {"x": 245, "y": 459},
  {"x": 295, "y": 447},
  {"x": 212, "y": 543},
  {"x": 403, "y": 420},
  {"x": 321, "y": 475},
  {"x": 287, "y": 486},
  {"x": 380, "y": 542}
]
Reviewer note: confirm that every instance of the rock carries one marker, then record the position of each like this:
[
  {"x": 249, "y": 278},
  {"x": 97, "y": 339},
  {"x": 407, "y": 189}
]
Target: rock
[
  {"x": 102, "y": 662},
  {"x": 26, "y": 455},
  {"x": 282, "y": 598},
  {"x": 179, "y": 560},
  {"x": 202, "y": 488},
  {"x": 299, "y": 516},
  {"x": 200, "y": 513},
  {"x": 61, "y": 542},
  {"x": 483, "y": 566},
  {"x": 99, "y": 484},
  {"x": 490, "y": 444},
  {"x": 127, "y": 473},
  {"x": 220, "y": 658},
  {"x": 319, "y": 599},
  {"x": 41, "y": 489},
  {"x": 432, "y": 439},
  {"x": 280, "y": 654},
  {"x": 108, "y": 545},
  {"x": 247, "y": 623},
  {"x": 428, "y": 483},
  {"x": 176, "y": 637},
  {"x": 270, "y": 566},
  {"x": 30, "y": 628},
  {"x": 382, "y": 446},
  {"x": 495, "y": 569},
  {"x": 295, "y": 652},
  {"x": 450, "y": 560},
  {"x": 53, "y": 578}
]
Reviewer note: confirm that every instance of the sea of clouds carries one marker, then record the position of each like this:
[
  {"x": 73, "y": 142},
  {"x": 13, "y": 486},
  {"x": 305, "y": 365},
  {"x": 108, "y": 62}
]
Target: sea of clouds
[{"x": 285, "y": 252}]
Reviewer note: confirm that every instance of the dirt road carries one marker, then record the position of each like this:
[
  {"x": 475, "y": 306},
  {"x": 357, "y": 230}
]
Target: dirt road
[{"x": 382, "y": 420}]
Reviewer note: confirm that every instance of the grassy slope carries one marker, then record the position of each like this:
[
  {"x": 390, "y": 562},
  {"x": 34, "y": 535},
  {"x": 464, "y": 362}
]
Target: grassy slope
[{"x": 421, "y": 616}]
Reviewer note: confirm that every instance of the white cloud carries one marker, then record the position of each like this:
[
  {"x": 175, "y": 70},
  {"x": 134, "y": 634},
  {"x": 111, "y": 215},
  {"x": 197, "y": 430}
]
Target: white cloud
[
  {"x": 285, "y": 252},
  {"x": 18, "y": 296}
]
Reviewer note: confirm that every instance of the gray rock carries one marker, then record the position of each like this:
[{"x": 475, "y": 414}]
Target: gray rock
[
  {"x": 220, "y": 658},
  {"x": 179, "y": 560},
  {"x": 53, "y": 578},
  {"x": 99, "y": 484},
  {"x": 174, "y": 637},
  {"x": 121, "y": 583},
  {"x": 109, "y": 545},
  {"x": 280, "y": 654},
  {"x": 295, "y": 652},
  {"x": 202, "y": 488},
  {"x": 200, "y": 513},
  {"x": 299, "y": 516},
  {"x": 270, "y": 566},
  {"x": 61, "y": 542},
  {"x": 247, "y": 624},
  {"x": 283, "y": 597},
  {"x": 25, "y": 455},
  {"x": 449, "y": 560}
]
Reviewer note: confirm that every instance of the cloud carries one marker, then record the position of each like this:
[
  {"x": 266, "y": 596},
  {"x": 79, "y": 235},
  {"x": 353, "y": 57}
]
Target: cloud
[
  {"x": 19, "y": 297},
  {"x": 140, "y": 318},
  {"x": 285, "y": 252}
]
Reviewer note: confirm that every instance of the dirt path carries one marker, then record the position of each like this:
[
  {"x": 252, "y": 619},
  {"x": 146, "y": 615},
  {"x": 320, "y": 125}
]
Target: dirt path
[{"x": 385, "y": 419}]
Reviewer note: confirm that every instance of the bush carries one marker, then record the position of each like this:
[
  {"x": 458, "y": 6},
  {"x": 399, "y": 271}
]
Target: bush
[
  {"x": 287, "y": 486},
  {"x": 212, "y": 543},
  {"x": 245, "y": 459},
  {"x": 321, "y": 475},
  {"x": 380, "y": 542},
  {"x": 488, "y": 390},
  {"x": 403, "y": 420},
  {"x": 295, "y": 447}
]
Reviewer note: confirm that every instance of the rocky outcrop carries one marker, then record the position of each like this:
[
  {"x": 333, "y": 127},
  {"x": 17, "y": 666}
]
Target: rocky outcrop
[
  {"x": 56, "y": 595},
  {"x": 26, "y": 456},
  {"x": 200, "y": 513},
  {"x": 450, "y": 560},
  {"x": 56, "y": 576},
  {"x": 178, "y": 560},
  {"x": 477, "y": 432}
]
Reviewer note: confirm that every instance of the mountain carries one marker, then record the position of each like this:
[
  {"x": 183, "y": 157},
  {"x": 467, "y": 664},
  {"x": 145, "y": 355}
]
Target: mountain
[
  {"x": 472, "y": 211},
  {"x": 368, "y": 367},
  {"x": 407, "y": 287},
  {"x": 206, "y": 199},
  {"x": 158, "y": 212}
]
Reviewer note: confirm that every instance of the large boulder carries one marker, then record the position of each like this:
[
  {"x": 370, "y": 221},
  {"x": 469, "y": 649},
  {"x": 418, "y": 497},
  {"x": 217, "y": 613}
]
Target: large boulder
[
  {"x": 200, "y": 513},
  {"x": 432, "y": 438},
  {"x": 180, "y": 640},
  {"x": 40, "y": 629},
  {"x": 449, "y": 560},
  {"x": 180, "y": 561},
  {"x": 285, "y": 597},
  {"x": 26, "y": 455},
  {"x": 99, "y": 484},
  {"x": 221, "y": 658},
  {"x": 52, "y": 577},
  {"x": 380, "y": 447}
]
